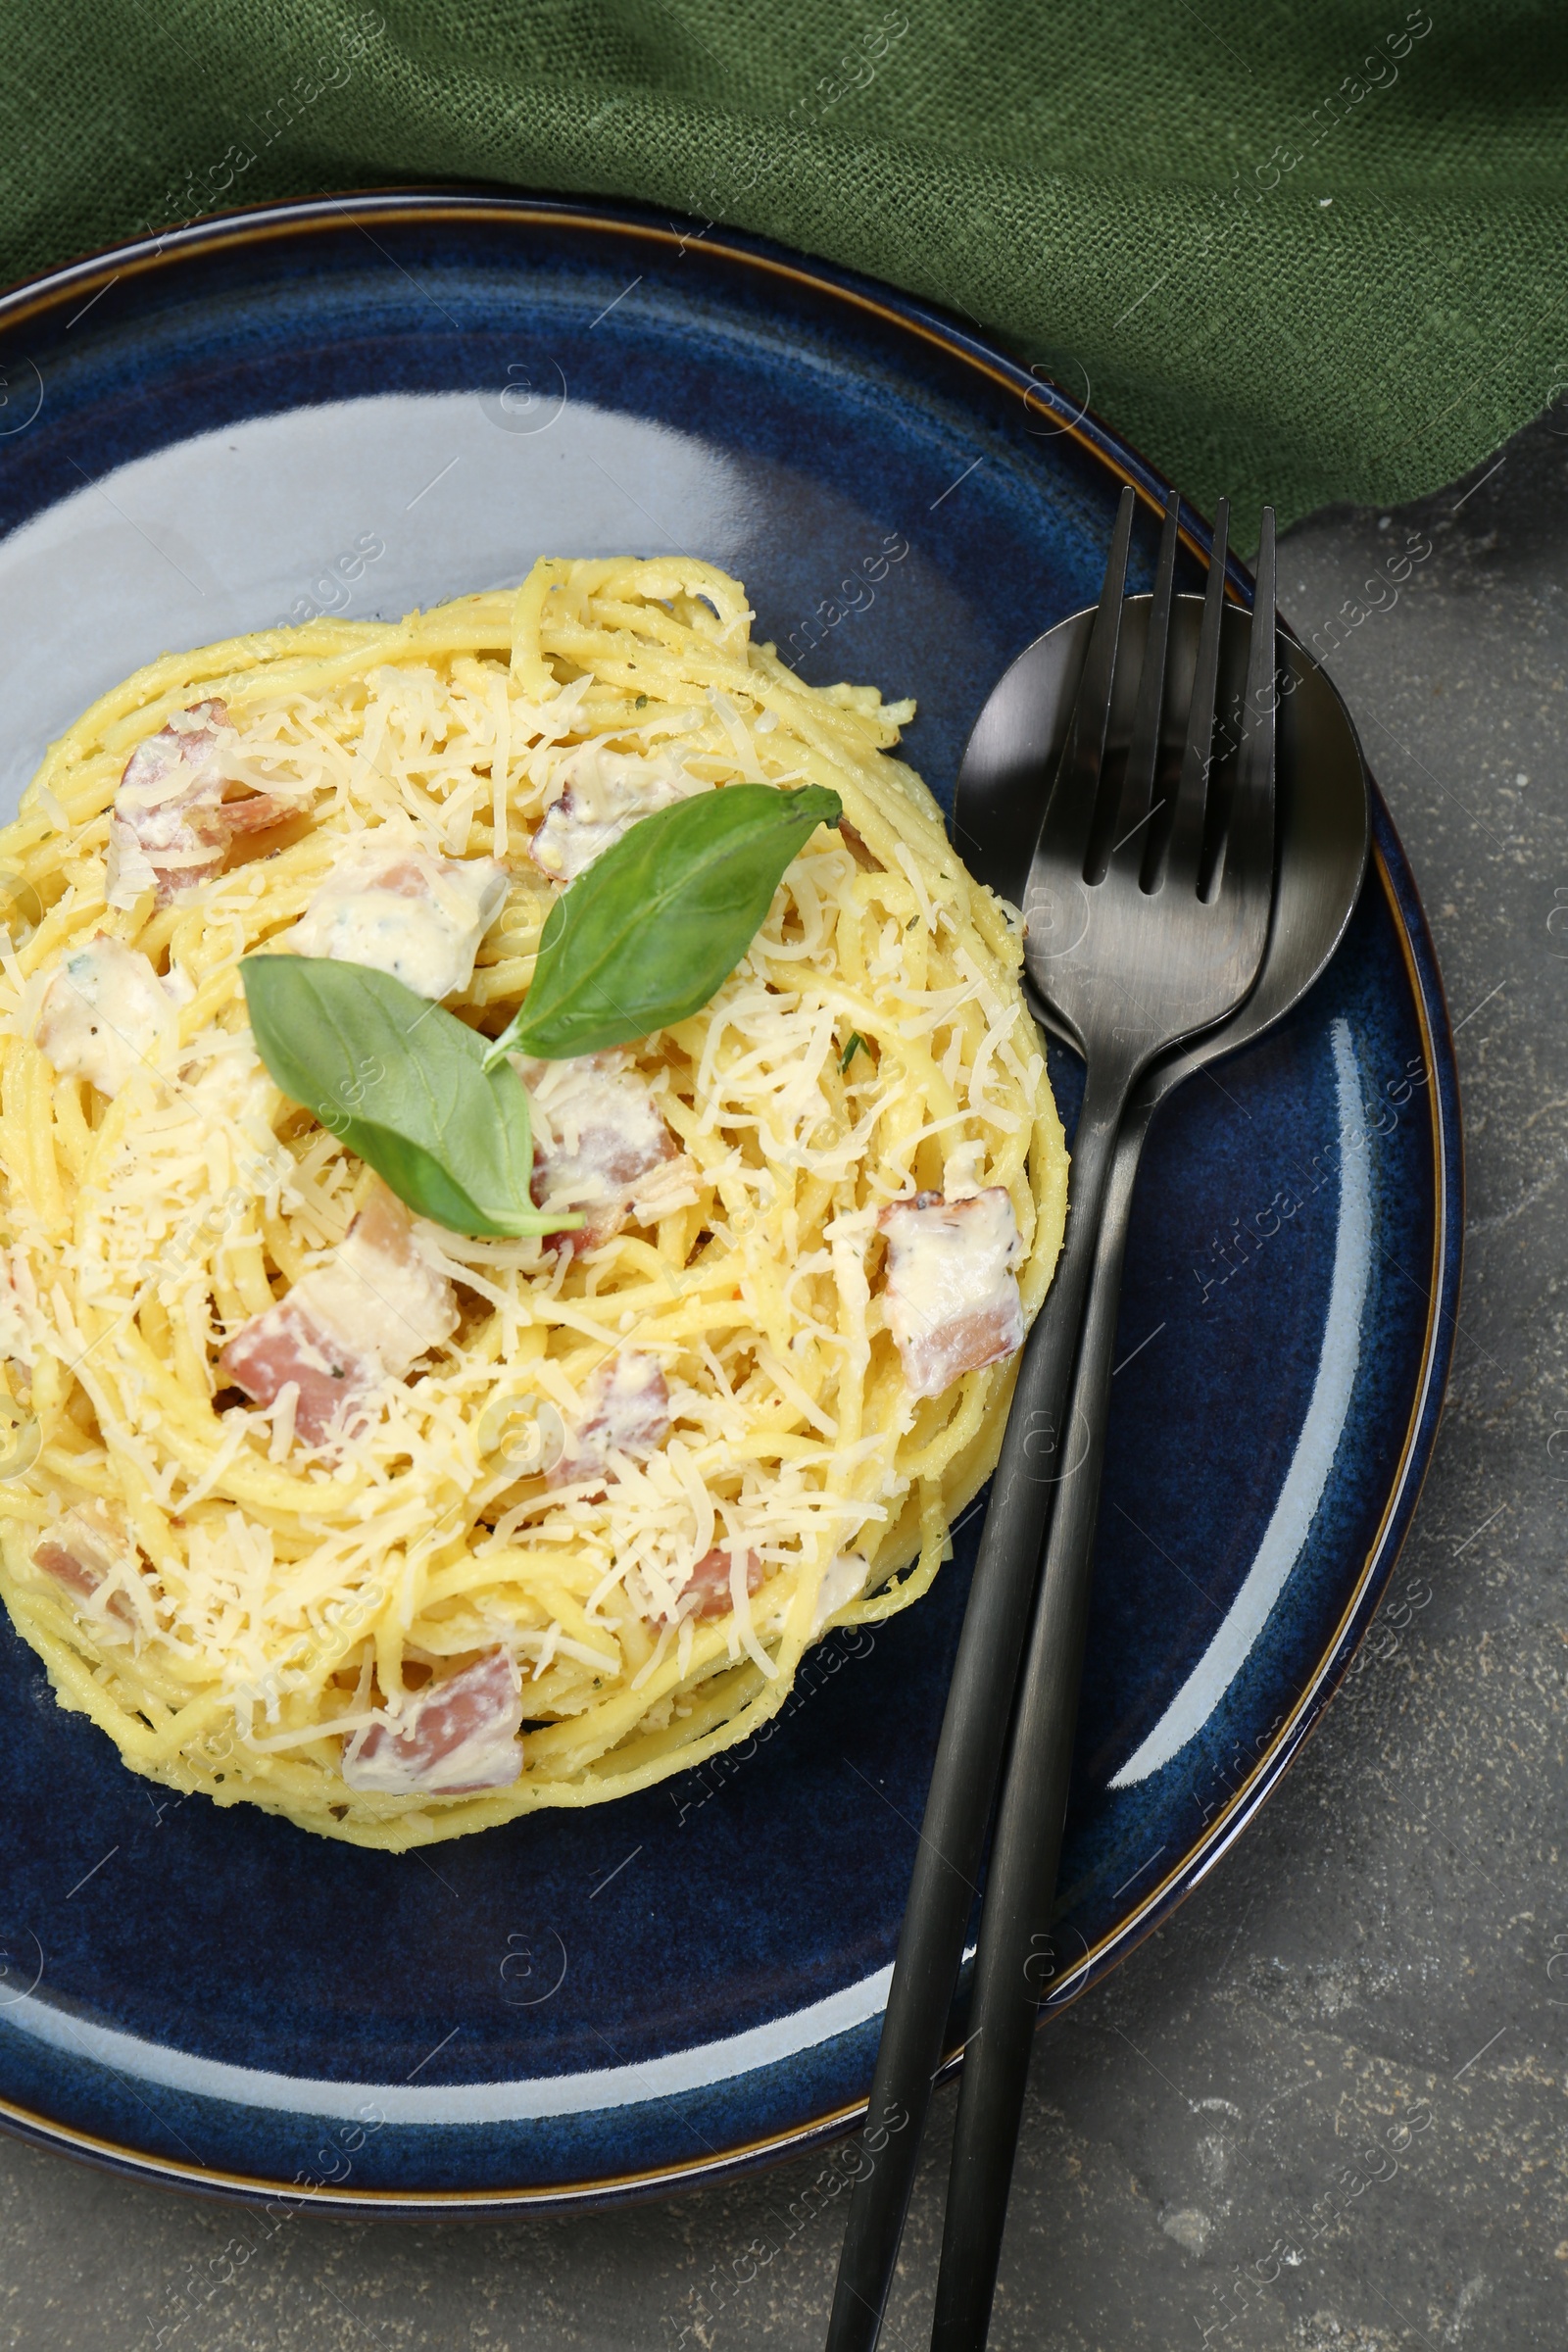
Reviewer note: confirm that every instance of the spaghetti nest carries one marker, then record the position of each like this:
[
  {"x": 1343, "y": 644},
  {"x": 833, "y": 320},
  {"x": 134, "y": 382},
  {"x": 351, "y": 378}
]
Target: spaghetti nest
[{"x": 260, "y": 1608}]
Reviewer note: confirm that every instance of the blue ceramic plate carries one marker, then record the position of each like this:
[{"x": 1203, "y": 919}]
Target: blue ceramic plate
[{"x": 377, "y": 403}]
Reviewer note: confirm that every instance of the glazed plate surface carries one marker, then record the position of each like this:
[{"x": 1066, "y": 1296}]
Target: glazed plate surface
[{"x": 367, "y": 405}]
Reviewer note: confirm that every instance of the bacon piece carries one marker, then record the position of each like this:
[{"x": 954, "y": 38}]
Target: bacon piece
[
  {"x": 363, "y": 1318},
  {"x": 81, "y": 1550},
  {"x": 457, "y": 1735},
  {"x": 176, "y": 813},
  {"x": 606, "y": 793},
  {"x": 106, "y": 1013},
  {"x": 390, "y": 902},
  {"x": 854, "y": 842},
  {"x": 600, "y": 1146},
  {"x": 711, "y": 1580},
  {"x": 288, "y": 1345},
  {"x": 951, "y": 1295},
  {"x": 627, "y": 1412}
]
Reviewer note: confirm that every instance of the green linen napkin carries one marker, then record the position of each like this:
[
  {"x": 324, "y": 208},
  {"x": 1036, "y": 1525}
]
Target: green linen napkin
[{"x": 1305, "y": 251}]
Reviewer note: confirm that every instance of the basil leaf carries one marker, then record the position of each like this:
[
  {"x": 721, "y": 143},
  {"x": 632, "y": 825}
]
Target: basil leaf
[
  {"x": 404, "y": 1085},
  {"x": 656, "y": 925}
]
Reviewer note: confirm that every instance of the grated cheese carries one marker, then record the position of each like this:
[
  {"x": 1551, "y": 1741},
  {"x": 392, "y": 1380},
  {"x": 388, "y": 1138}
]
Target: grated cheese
[{"x": 293, "y": 1600}]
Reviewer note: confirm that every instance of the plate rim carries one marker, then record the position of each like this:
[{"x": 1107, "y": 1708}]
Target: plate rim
[{"x": 262, "y": 225}]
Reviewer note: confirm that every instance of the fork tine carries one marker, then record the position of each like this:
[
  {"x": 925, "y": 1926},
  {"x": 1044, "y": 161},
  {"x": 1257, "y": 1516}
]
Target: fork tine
[
  {"x": 1129, "y": 838},
  {"x": 1070, "y": 810},
  {"x": 1250, "y": 836},
  {"x": 1182, "y": 858}
]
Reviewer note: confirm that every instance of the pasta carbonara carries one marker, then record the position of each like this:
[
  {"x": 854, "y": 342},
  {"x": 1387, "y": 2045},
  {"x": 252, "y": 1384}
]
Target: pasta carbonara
[{"x": 310, "y": 1504}]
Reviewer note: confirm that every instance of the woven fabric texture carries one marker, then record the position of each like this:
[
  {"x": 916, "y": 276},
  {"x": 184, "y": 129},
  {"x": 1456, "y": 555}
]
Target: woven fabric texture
[{"x": 1296, "y": 252}]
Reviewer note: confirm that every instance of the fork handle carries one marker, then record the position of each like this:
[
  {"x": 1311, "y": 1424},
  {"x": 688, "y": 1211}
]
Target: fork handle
[
  {"x": 1015, "y": 1962},
  {"x": 968, "y": 1755}
]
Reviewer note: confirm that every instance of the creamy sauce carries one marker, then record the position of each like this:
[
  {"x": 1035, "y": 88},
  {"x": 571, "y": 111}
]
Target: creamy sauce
[
  {"x": 364, "y": 1316},
  {"x": 600, "y": 1146},
  {"x": 952, "y": 1300},
  {"x": 173, "y": 819},
  {"x": 606, "y": 793},
  {"x": 402, "y": 910},
  {"x": 106, "y": 1015},
  {"x": 380, "y": 1294},
  {"x": 843, "y": 1581},
  {"x": 627, "y": 1411}
]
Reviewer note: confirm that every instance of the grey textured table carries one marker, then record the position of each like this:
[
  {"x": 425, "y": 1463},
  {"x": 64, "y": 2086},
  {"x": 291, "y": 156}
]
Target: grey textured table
[{"x": 1206, "y": 2151}]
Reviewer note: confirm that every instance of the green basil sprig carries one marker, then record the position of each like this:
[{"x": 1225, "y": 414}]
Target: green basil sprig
[
  {"x": 404, "y": 1085},
  {"x": 642, "y": 938},
  {"x": 656, "y": 925}
]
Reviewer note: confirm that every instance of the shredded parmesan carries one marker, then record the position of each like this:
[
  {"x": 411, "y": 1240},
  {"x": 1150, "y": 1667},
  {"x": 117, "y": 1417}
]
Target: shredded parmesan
[{"x": 312, "y": 1624}]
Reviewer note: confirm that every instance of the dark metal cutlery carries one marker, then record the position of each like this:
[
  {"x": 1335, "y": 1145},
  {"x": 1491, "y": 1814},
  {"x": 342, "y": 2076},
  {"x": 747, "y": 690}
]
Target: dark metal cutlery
[
  {"x": 1027, "y": 1839},
  {"x": 1149, "y": 905},
  {"x": 1015, "y": 1963},
  {"x": 1050, "y": 711}
]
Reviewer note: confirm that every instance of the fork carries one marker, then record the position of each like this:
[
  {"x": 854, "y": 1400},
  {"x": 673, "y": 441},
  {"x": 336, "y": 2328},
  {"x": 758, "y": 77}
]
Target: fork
[
  {"x": 1014, "y": 1949},
  {"x": 1147, "y": 915}
]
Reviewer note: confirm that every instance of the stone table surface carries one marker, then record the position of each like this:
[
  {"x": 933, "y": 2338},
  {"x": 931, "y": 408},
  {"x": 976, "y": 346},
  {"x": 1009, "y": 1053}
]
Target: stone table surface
[{"x": 1204, "y": 2154}]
